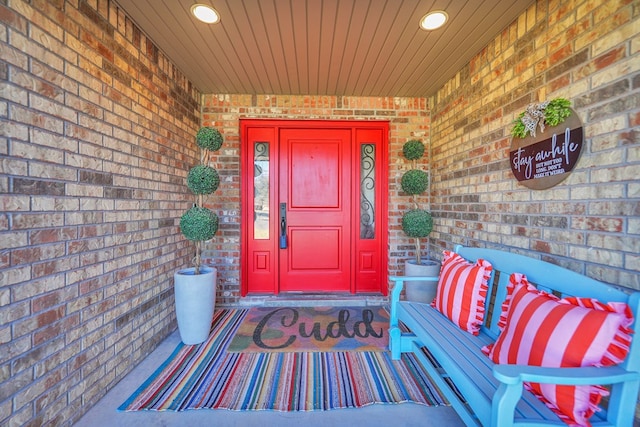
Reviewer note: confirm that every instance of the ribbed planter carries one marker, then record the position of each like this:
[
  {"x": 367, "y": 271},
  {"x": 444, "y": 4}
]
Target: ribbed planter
[
  {"x": 421, "y": 290},
  {"x": 195, "y": 296}
]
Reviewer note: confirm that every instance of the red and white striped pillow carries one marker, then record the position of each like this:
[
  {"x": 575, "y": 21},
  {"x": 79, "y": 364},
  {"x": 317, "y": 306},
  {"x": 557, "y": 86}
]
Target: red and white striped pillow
[
  {"x": 539, "y": 329},
  {"x": 462, "y": 291}
]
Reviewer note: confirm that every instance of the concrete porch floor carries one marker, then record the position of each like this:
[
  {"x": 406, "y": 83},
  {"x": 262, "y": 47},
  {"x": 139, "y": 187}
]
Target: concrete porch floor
[{"x": 105, "y": 412}]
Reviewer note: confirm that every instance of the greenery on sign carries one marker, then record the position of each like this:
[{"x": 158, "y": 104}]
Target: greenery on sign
[
  {"x": 417, "y": 223},
  {"x": 199, "y": 223},
  {"x": 553, "y": 113}
]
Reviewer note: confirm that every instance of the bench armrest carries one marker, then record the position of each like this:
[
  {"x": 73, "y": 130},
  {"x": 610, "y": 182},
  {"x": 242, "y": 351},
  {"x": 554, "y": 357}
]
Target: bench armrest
[
  {"x": 398, "y": 284},
  {"x": 511, "y": 377},
  {"x": 516, "y": 374}
]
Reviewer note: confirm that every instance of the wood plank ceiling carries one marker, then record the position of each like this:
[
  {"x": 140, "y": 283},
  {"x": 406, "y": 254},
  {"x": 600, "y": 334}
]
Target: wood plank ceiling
[{"x": 322, "y": 47}]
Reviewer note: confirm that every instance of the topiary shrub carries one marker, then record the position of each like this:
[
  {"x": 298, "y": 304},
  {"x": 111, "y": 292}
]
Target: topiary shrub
[
  {"x": 203, "y": 179},
  {"x": 416, "y": 223},
  {"x": 200, "y": 224},
  {"x": 209, "y": 139},
  {"x": 414, "y": 181},
  {"x": 413, "y": 150}
]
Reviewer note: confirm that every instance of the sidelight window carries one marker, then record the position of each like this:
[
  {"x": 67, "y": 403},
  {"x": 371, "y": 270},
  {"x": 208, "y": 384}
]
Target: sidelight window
[
  {"x": 261, "y": 190},
  {"x": 367, "y": 191}
]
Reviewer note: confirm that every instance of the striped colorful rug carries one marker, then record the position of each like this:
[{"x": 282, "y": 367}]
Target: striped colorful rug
[{"x": 207, "y": 376}]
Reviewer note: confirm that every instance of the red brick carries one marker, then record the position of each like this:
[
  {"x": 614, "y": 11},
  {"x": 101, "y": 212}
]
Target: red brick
[
  {"x": 46, "y": 301},
  {"x": 52, "y": 235},
  {"x": 560, "y": 54},
  {"x": 55, "y": 329},
  {"x": 50, "y": 316},
  {"x": 609, "y": 58},
  {"x": 541, "y": 246},
  {"x": 560, "y": 82}
]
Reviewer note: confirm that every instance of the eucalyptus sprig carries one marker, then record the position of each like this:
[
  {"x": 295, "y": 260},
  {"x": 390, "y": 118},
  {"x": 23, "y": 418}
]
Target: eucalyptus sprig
[
  {"x": 555, "y": 112},
  {"x": 519, "y": 130}
]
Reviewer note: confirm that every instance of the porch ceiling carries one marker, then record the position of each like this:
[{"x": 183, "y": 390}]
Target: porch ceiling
[{"x": 322, "y": 47}]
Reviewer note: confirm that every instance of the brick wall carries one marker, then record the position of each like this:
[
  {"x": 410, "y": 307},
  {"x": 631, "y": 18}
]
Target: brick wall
[
  {"x": 587, "y": 52},
  {"x": 96, "y": 134},
  {"x": 408, "y": 118}
]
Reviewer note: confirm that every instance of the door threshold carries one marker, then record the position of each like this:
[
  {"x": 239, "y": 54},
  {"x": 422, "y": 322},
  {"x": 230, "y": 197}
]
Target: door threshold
[{"x": 290, "y": 299}]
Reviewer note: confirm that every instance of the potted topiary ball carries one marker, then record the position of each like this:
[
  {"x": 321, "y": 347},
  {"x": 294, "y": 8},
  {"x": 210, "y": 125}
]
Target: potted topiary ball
[
  {"x": 195, "y": 287},
  {"x": 417, "y": 224}
]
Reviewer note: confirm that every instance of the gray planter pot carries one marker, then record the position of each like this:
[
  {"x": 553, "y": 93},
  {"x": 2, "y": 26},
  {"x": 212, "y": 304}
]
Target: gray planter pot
[
  {"x": 421, "y": 290},
  {"x": 195, "y": 297}
]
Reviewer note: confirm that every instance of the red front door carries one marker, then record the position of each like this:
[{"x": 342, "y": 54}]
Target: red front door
[
  {"x": 315, "y": 193},
  {"x": 314, "y": 206}
]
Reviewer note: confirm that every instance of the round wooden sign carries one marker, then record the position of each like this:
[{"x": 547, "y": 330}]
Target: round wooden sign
[{"x": 546, "y": 159}]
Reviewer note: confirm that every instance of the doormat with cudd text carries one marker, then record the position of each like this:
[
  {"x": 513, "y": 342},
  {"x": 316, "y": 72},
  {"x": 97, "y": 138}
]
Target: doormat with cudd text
[{"x": 312, "y": 329}]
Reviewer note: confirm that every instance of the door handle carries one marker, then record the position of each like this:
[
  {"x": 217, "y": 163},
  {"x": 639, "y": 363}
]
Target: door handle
[{"x": 283, "y": 226}]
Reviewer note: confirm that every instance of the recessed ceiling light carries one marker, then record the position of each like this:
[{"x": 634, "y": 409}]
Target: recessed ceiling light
[
  {"x": 205, "y": 13},
  {"x": 433, "y": 20}
]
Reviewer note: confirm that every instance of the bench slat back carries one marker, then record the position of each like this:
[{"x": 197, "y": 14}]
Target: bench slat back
[{"x": 551, "y": 278}]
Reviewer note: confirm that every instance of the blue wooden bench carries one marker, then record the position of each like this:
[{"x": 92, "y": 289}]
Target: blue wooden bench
[{"x": 492, "y": 395}]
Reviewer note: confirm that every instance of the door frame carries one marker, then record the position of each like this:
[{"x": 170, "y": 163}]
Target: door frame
[{"x": 370, "y": 252}]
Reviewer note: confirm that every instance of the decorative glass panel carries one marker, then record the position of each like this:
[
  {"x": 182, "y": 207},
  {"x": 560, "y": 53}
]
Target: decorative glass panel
[
  {"x": 367, "y": 190},
  {"x": 261, "y": 190}
]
